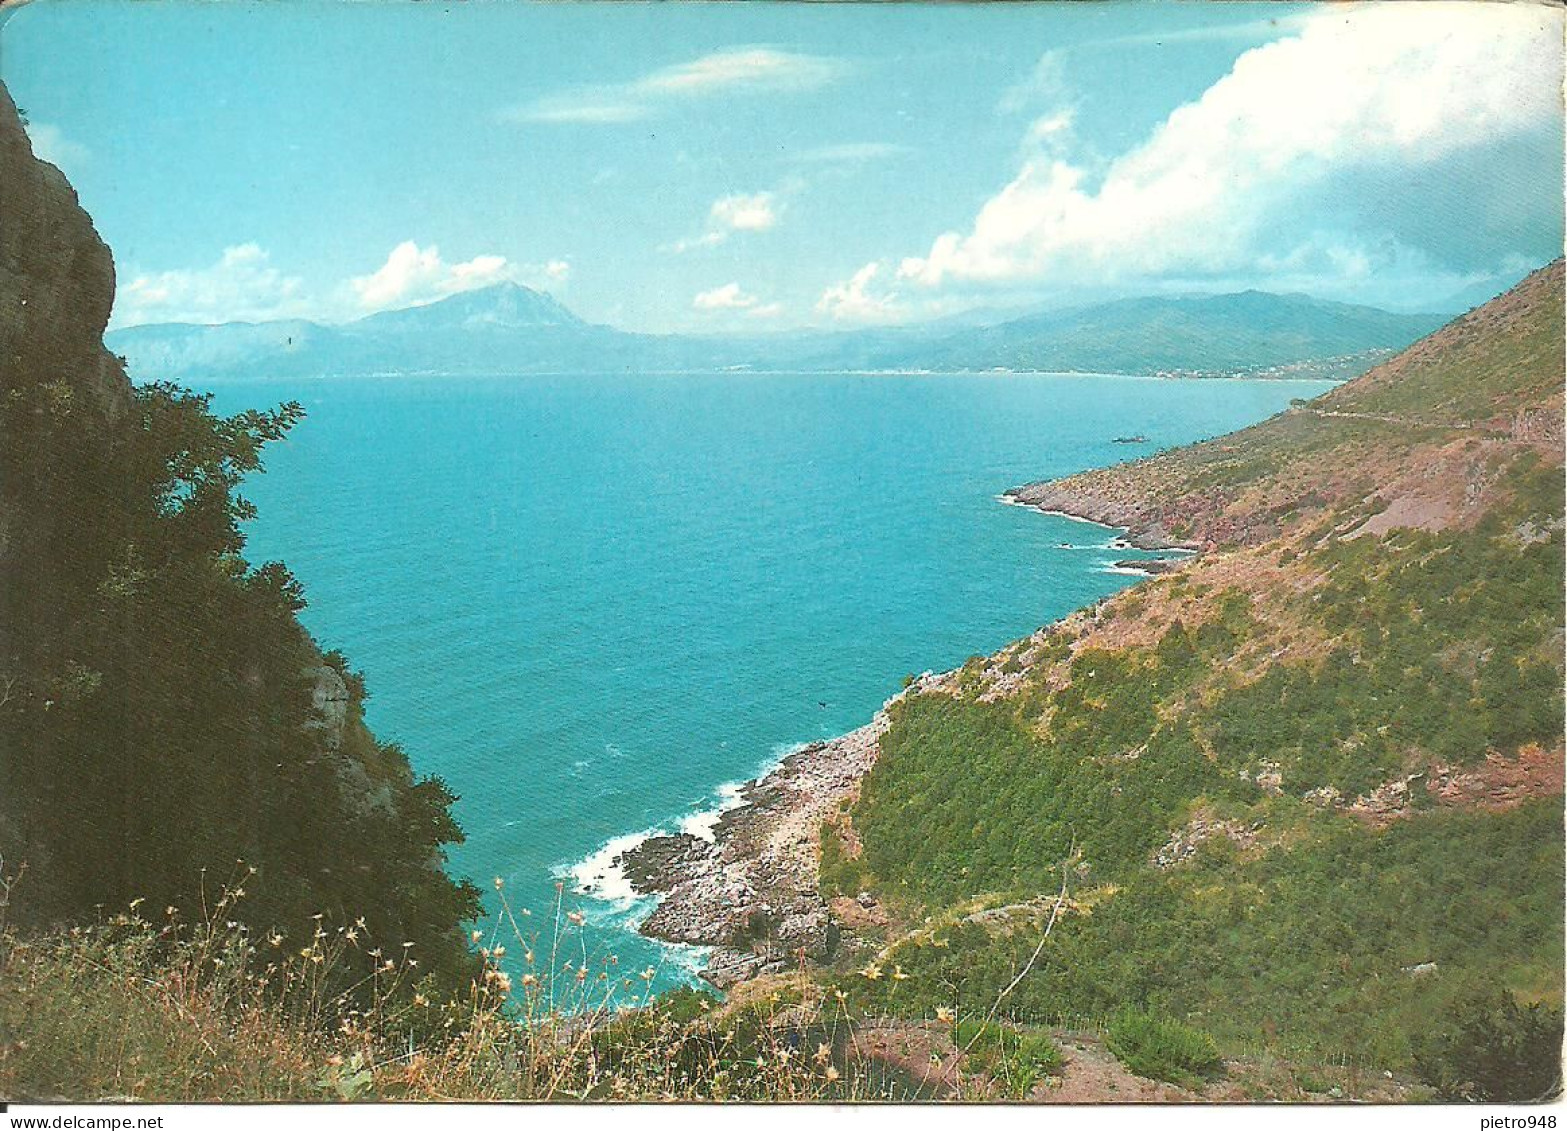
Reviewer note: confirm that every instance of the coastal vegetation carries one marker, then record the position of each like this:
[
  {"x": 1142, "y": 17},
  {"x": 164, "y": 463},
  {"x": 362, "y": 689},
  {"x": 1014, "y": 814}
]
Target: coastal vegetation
[
  {"x": 1302, "y": 795},
  {"x": 1296, "y": 801},
  {"x": 166, "y": 725}
]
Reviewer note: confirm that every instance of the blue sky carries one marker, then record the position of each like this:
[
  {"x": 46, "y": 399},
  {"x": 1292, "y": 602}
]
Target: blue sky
[{"x": 747, "y": 167}]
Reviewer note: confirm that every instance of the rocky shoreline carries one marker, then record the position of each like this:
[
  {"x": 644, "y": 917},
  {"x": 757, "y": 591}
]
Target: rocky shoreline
[
  {"x": 1058, "y": 497},
  {"x": 751, "y": 891}
]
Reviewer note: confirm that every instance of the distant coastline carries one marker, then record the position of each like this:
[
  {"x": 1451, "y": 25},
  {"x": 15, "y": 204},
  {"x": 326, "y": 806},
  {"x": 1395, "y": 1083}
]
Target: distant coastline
[{"x": 746, "y": 883}]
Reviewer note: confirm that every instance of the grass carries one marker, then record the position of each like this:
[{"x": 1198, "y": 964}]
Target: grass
[{"x": 150, "y": 1008}]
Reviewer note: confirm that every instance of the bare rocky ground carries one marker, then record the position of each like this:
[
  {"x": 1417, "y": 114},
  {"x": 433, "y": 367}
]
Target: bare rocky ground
[{"x": 751, "y": 891}]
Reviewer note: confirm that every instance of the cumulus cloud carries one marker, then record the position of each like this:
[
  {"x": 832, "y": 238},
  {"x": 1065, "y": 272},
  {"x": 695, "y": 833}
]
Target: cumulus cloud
[
  {"x": 414, "y": 275},
  {"x": 762, "y": 69},
  {"x": 854, "y": 301},
  {"x": 738, "y": 212},
  {"x": 1368, "y": 141},
  {"x": 730, "y": 299},
  {"x": 51, "y": 145},
  {"x": 242, "y": 286},
  {"x": 727, "y": 297}
]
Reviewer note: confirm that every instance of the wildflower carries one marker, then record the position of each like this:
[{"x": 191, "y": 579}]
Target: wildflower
[
  {"x": 898, "y": 975},
  {"x": 502, "y": 983},
  {"x": 873, "y": 972},
  {"x": 275, "y": 939},
  {"x": 317, "y": 959},
  {"x": 527, "y": 956},
  {"x": 477, "y": 935},
  {"x": 499, "y": 883},
  {"x": 840, "y": 995},
  {"x": 420, "y": 999},
  {"x": 945, "y": 1014},
  {"x": 830, "y": 1072},
  {"x": 576, "y": 917},
  {"x": 529, "y": 980},
  {"x": 304, "y": 952},
  {"x": 823, "y": 1054},
  {"x": 647, "y": 975},
  {"x": 137, "y": 902},
  {"x": 171, "y": 911},
  {"x": 351, "y": 935},
  {"x": 498, "y": 952}
]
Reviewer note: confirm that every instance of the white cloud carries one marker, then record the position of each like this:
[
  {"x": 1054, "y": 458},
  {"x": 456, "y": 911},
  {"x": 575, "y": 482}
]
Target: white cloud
[
  {"x": 51, "y": 145},
  {"x": 737, "y": 212},
  {"x": 242, "y": 286},
  {"x": 742, "y": 213},
  {"x": 414, "y": 275},
  {"x": 727, "y": 297},
  {"x": 1258, "y": 171},
  {"x": 854, "y": 302},
  {"x": 852, "y": 152},
  {"x": 730, "y": 71}
]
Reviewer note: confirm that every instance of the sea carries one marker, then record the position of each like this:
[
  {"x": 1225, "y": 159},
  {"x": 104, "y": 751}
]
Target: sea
[{"x": 595, "y": 605}]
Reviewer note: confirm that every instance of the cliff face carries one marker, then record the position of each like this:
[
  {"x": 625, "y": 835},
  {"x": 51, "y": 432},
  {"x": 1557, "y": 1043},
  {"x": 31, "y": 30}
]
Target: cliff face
[
  {"x": 163, "y": 714},
  {"x": 56, "y": 279}
]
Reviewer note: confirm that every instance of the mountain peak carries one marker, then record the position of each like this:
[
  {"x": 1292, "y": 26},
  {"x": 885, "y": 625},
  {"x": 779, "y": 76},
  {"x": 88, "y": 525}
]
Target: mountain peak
[{"x": 505, "y": 305}]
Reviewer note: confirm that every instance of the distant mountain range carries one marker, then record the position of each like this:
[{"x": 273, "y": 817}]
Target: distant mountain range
[{"x": 511, "y": 329}]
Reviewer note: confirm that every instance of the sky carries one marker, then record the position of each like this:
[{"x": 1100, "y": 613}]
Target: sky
[{"x": 746, "y": 167}]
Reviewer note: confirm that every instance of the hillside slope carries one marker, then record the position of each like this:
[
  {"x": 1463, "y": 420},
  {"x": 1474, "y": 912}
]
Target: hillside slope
[
  {"x": 1248, "y": 332},
  {"x": 1304, "y": 792}
]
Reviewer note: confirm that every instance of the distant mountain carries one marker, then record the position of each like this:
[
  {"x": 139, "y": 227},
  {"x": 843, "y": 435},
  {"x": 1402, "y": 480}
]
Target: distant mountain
[
  {"x": 1234, "y": 333},
  {"x": 511, "y": 329},
  {"x": 504, "y": 306}
]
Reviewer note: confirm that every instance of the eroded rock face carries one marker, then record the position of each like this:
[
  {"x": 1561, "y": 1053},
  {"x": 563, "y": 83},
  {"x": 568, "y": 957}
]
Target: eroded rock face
[
  {"x": 329, "y": 697},
  {"x": 751, "y": 892},
  {"x": 56, "y": 279}
]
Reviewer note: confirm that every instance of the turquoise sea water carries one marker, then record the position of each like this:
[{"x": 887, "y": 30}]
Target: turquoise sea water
[{"x": 592, "y": 604}]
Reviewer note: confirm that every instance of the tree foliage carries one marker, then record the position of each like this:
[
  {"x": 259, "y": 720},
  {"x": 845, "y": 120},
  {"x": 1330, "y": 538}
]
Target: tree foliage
[{"x": 159, "y": 723}]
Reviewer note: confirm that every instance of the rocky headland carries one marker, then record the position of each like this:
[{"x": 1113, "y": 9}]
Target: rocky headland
[{"x": 751, "y": 891}]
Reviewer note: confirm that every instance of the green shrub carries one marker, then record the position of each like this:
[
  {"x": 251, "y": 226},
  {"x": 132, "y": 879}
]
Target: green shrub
[
  {"x": 1163, "y": 1049},
  {"x": 1486, "y": 1048},
  {"x": 1015, "y": 1060}
]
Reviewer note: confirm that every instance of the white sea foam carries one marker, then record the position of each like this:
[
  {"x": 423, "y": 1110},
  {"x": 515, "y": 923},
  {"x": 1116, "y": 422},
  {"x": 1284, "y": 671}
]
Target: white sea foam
[
  {"x": 598, "y": 876},
  {"x": 702, "y": 823}
]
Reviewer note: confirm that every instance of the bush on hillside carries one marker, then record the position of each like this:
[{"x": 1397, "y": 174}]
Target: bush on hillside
[
  {"x": 1486, "y": 1048},
  {"x": 1163, "y": 1049}
]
